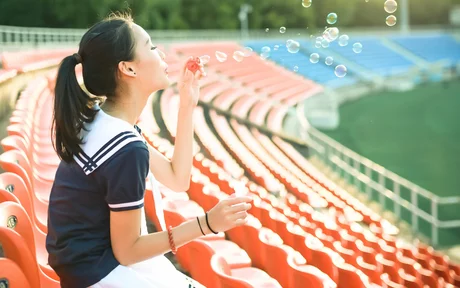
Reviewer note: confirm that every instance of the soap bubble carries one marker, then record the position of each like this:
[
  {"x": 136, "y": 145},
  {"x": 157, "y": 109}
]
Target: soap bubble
[
  {"x": 329, "y": 60},
  {"x": 340, "y": 71},
  {"x": 238, "y": 56},
  {"x": 289, "y": 42},
  {"x": 331, "y": 34},
  {"x": 331, "y": 18},
  {"x": 325, "y": 43},
  {"x": 276, "y": 47},
  {"x": 294, "y": 47},
  {"x": 306, "y": 3},
  {"x": 318, "y": 44},
  {"x": 247, "y": 51},
  {"x": 265, "y": 52},
  {"x": 390, "y": 6},
  {"x": 205, "y": 59},
  {"x": 391, "y": 20},
  {"x": 296, "y": 68},
  {"x": 282, "y": 30},
  {"x": 221, "y": 56},
  {"x": 343, "y": 40},
  {"x": 357, "y": 47},
  {"x": 314, "y": 58},
  {"x": 267, "y": 29}
]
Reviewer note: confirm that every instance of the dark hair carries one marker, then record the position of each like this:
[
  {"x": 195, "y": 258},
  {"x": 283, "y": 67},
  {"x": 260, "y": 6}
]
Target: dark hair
[{"x": 102, "y": 47}]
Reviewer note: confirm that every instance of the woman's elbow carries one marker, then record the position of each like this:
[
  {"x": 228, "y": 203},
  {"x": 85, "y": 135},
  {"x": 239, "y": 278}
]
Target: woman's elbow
[
  {"x": 123, "y": 258},
  {"x": 181, "y": 186}
]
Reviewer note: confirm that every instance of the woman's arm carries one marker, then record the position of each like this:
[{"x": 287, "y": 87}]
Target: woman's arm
[
  {"x": 175, "y": 174},
  {"x": 129, "y": 247}
]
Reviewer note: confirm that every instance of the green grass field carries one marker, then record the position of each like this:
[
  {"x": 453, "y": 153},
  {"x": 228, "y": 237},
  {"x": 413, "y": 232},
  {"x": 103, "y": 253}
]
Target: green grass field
[{"x": 415, "y": 134}]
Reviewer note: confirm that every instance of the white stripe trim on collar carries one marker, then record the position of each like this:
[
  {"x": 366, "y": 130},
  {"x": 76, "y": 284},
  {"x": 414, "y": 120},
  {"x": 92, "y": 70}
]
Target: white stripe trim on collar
[{"x": 102, "y": 138}]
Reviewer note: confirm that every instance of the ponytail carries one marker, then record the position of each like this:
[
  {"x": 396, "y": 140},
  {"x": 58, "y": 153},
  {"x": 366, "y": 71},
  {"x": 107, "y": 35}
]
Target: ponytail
[{"x": 72, "y": 108}]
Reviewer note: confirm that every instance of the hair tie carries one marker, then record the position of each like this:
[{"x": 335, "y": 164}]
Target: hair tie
[{"x": 78, "y": 58}]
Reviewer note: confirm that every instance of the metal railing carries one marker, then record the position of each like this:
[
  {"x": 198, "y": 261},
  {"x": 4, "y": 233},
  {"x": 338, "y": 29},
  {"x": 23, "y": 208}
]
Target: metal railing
[
  {"x": 435, "y": 217},
  {"x": 26, "y": 37}
]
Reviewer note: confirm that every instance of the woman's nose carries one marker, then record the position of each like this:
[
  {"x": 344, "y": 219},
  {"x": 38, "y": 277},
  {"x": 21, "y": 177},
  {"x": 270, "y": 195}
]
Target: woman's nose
[{"x": 162, "y": 55}]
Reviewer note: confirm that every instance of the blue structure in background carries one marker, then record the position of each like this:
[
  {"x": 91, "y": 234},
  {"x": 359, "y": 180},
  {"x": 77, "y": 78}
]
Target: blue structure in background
[
  {"x": 432, "y": 48},
  {"x": 318, "y": 72},
  {"x": 376, "y": 57}
]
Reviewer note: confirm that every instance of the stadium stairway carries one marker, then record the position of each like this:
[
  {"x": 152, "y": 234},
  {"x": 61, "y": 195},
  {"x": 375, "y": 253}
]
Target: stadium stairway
[{"x": 317, "y": 233}]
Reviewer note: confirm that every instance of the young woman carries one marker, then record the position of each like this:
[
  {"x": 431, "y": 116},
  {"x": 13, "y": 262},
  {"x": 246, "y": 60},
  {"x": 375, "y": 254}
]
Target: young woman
[{"x": 96, "y": 227}]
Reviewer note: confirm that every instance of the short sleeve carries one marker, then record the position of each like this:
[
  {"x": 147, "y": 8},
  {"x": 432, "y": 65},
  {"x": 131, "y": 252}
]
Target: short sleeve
[{"x": 125, "y": 176}]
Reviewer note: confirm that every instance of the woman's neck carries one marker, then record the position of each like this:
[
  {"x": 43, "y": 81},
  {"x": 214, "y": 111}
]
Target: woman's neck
[{"x": 128, "y": 111}]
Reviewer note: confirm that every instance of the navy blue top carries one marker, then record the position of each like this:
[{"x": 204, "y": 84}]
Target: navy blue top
[{"x": 78, "y": 240}]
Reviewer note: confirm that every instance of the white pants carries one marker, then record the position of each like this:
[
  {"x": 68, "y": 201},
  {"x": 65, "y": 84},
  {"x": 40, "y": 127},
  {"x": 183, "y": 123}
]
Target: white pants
[{"x": 157, "y": 272}]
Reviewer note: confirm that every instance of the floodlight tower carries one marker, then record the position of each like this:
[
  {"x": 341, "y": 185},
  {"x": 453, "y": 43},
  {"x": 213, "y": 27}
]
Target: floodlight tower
[
  {"x": 405, "y": 26},
  {"x": 245, "y": 9}
]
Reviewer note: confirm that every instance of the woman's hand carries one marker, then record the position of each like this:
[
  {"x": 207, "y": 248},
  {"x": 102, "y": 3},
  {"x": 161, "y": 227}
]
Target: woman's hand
[
  {"x": 188, "y": 84},
  {"x": 229, "y": 213}
]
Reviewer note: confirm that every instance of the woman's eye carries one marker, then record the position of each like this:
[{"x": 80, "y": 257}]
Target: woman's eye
[{"x": 153, "y": 48}]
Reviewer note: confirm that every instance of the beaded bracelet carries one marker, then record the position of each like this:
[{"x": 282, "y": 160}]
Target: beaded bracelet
[{"x": 171, "y": 240}]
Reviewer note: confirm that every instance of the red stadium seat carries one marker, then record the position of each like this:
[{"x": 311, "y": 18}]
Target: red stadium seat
[
  {"x": 241, "y": 277},
  {"x": 11, "y": 275},
  {"x": 34, "y": 238},
  {"x": 202, "y": 251}
]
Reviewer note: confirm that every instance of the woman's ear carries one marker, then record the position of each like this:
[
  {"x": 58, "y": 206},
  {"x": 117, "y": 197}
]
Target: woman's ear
[{"x": 127, "y": 69}]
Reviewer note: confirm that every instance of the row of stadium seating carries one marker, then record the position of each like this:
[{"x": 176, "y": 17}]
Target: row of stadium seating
[
  {"x": 303, "y": 229},
  {"x": 375, "y": 57}
]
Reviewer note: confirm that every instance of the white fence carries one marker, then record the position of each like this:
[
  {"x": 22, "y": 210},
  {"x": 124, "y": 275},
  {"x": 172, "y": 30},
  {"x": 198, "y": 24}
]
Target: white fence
[{"x": 435, "y": 217}]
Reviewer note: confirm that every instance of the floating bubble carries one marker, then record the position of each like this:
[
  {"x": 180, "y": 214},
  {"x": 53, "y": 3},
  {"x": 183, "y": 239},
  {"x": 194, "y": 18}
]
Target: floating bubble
[
  {"x": 267, "y": 29},
  {"x": 205, "y": 59},
  {"x": 282, "y": 30},
  {"x": 289, "y": 42},
  {"x": 340, "y": 71},
  {"x": 318, "y": 44},
  {"x": 390, "y": 6},
  {"x": 296, "y": 68},
  {"x": 306, "y": 3},
  {"x": 294, "y": 47},
  {"x": 357, "y": 47},
  {"x": 324, "y": 43},
  {"x": 264, "y": 55},
  {"x": 343, "y": 40},
  {"x": 314, "y": 58},
  {"x": 331, "y": 34},
  {"x": 329, "y": 60},
  {"x": 331, "y": 18},
  {"x": 221, "y": 56},
  {"x": 276, "y": 47},
  {"x": 319, "y": 39},
  {"x": 391, "y": 20},
  {"x": 238, "y": 56},
  {"x": 265, "y": 52},
  {"x": 247, "y": 51}
]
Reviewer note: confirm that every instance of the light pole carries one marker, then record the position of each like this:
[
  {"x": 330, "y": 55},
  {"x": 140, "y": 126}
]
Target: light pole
[{"x": 245, "y": 9}]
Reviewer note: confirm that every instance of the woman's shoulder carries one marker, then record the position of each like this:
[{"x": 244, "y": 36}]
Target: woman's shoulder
[{"x": 133, "y": 155}]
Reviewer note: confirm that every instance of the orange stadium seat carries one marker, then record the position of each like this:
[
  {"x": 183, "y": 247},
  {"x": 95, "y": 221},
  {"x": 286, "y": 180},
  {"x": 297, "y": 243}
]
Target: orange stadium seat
[
  {"x": 11, "y": 275},
  {"x": 248, "y": 277}
]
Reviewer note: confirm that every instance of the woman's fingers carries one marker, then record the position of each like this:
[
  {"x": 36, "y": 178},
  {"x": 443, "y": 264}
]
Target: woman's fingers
[{"x": 239, "y": 208}]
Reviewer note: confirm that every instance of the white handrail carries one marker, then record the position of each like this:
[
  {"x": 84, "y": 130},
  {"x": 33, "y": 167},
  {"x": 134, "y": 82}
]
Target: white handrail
[{"x": 337, "y": 155}]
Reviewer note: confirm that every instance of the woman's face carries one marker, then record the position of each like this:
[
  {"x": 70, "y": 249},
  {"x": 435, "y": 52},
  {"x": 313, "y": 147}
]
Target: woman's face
[{"x": 150, "y": 68}]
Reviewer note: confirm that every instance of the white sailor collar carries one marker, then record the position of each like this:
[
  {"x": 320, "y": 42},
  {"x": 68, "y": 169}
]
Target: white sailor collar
[{"x": 102, "y": 138}]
